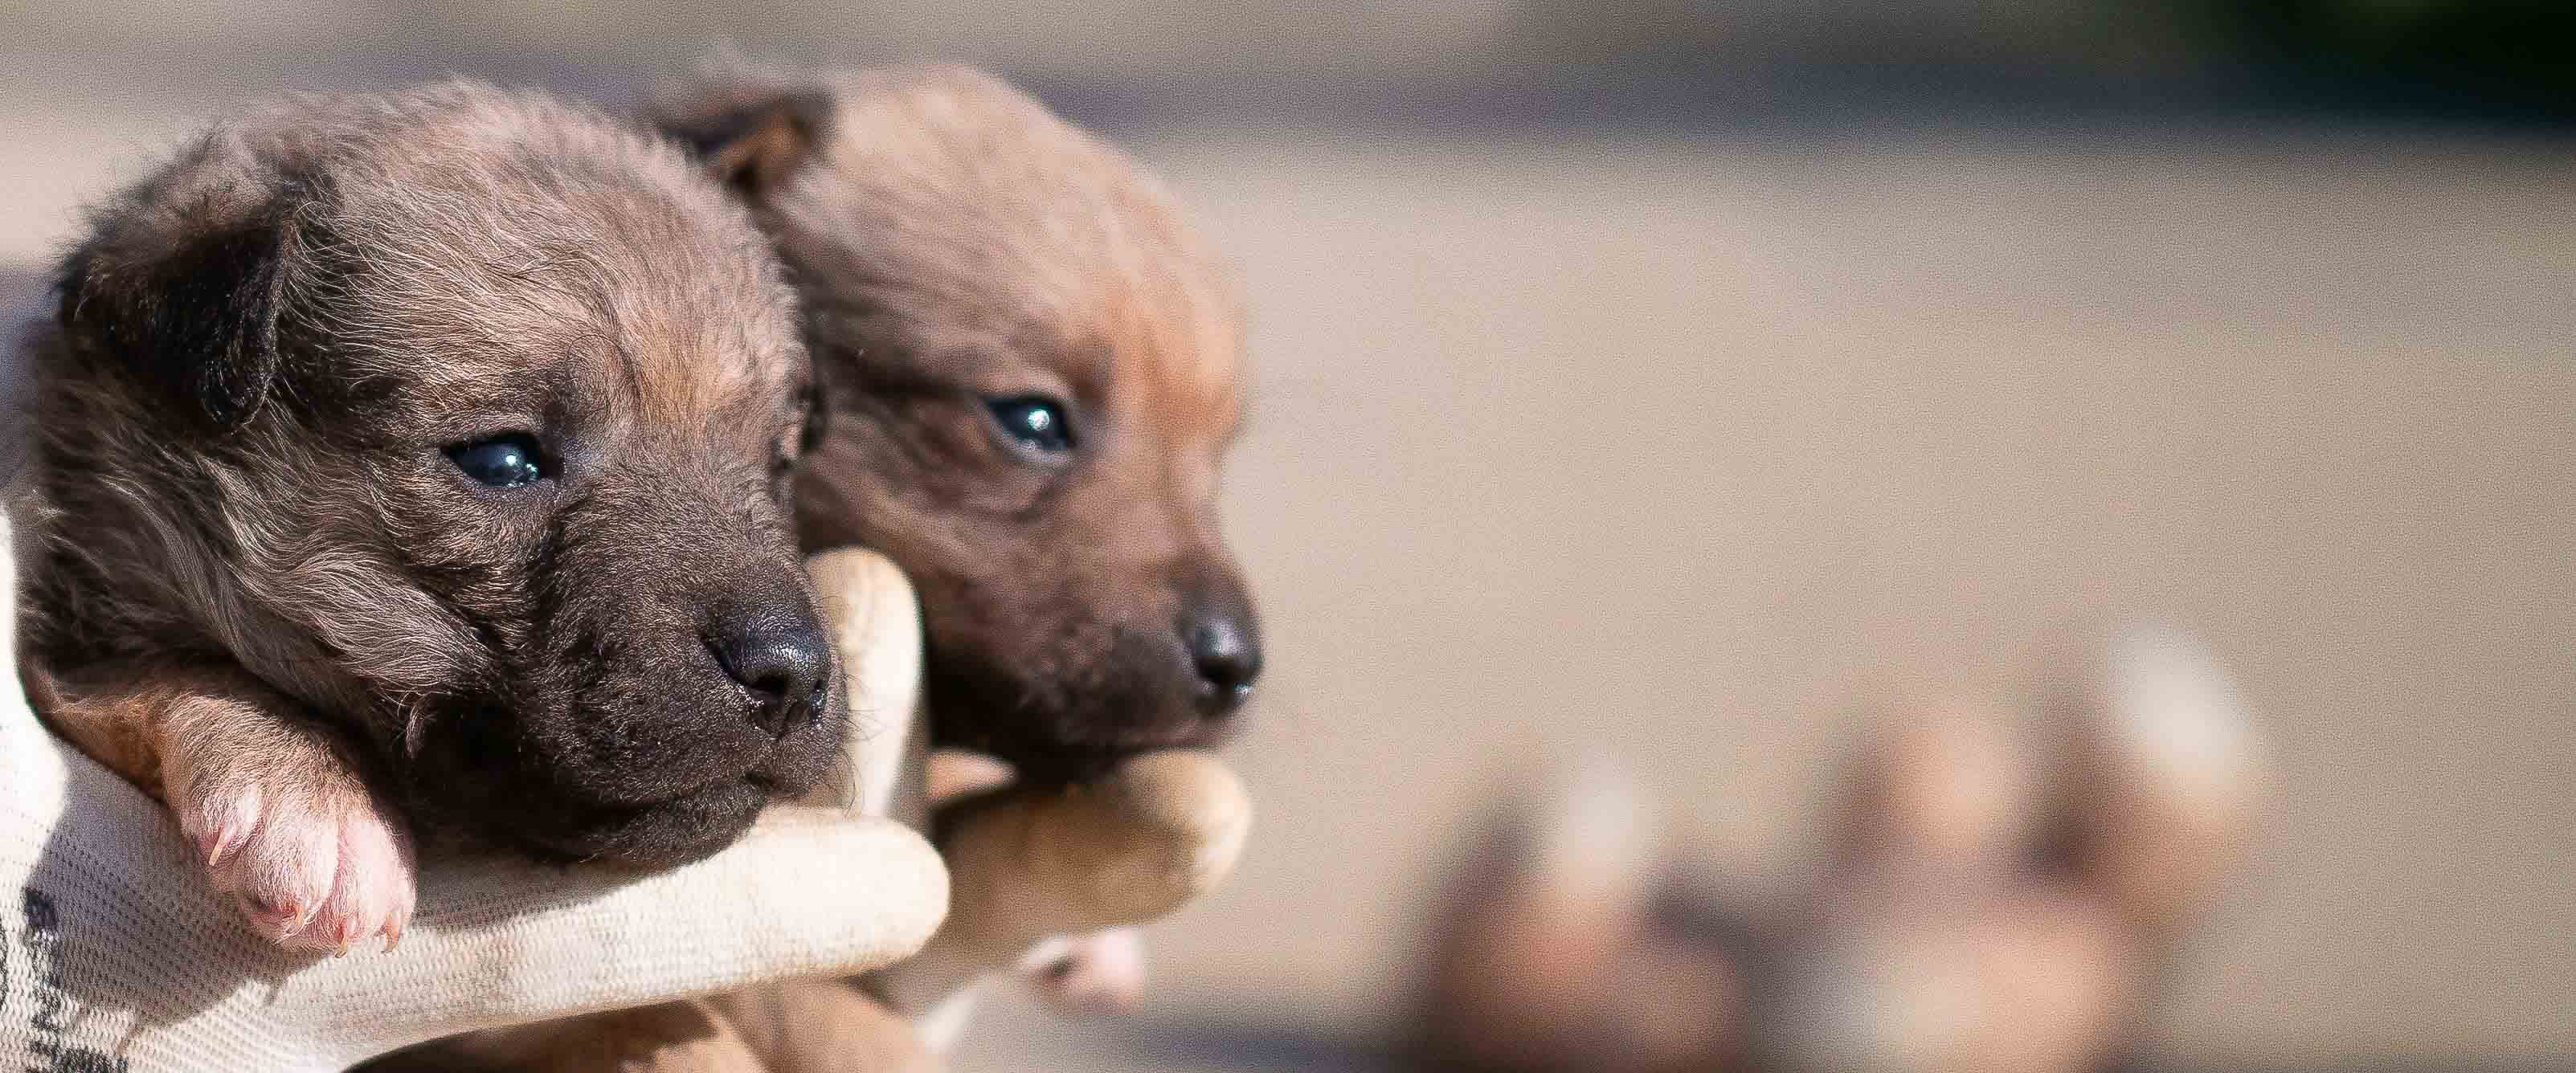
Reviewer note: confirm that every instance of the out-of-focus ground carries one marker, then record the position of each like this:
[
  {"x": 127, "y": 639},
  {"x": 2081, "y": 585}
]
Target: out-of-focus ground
[
  {"x": 1658, "y": 439},
  {"x": 1660, "y": 446}
]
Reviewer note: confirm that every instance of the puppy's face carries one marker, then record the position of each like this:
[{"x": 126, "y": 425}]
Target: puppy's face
[
  {"x": 1029, "y": 371},
  {"x": 486, "y": 433}
]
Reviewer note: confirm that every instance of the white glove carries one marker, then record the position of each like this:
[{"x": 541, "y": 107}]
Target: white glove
[
  {"x": 114, "y": 954},
  {"x": 1037, "y": 875}
]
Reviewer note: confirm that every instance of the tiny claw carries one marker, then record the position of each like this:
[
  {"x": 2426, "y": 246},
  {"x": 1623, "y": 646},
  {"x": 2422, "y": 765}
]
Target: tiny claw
[
  {"x": 393, "y": 937},
  {"x": 292, "y": 916},
  {"x": 216, "y": 843},
  {"x": 348, "y": 935}
]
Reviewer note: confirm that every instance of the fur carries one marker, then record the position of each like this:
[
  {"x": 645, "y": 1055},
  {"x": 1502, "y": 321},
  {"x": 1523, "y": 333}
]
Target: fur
[
  {"x": 240, "y": 498},
  {"x": 955, "y": 243}
]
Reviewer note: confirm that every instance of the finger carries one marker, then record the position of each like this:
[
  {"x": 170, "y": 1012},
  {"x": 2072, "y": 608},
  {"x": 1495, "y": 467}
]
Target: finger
[
  {"x": 955, "y": 775},
  {"x": 876, "y": 625},
  {"x": 1162, "y": 830},
  {"x": 806, "y": 893}
]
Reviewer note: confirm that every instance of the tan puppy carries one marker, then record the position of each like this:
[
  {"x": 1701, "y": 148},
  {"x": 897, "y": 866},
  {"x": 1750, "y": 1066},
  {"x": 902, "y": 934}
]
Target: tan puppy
[
  {"x": 1029, "y": 366},
  {"x": 2001, "y": 895},
  {"x": 418, "y": 464}
]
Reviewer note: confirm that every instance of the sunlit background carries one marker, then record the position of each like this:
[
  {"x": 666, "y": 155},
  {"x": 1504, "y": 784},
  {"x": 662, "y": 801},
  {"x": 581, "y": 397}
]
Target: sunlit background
[{"x": 1638, "y": 374}]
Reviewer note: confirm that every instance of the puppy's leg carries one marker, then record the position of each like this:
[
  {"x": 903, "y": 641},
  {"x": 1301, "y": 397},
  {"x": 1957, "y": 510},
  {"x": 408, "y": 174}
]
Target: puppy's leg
[{"x": 273, "y": 800}]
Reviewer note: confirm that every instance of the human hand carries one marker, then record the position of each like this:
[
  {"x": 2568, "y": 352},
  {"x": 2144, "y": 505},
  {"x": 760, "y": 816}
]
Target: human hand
[{"x": 116, "y": 955}]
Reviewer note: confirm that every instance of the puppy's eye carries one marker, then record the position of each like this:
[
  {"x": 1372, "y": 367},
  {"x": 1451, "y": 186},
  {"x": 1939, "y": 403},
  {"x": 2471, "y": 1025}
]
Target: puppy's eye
[
  {"x": 511, "y": 461},
  {"x": 1036, "y": 421}
]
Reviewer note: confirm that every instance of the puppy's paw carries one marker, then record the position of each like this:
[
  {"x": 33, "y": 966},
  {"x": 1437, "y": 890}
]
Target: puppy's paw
[{"x": 314, "y": 861}]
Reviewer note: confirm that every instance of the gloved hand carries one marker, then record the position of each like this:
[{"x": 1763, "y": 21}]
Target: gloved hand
[
  {"x": 114, "y": 955},
  {"x": 1042, "y": 877},
  {"x": 1048, "y": 883},
  {"x": 1036, "y": 875}
]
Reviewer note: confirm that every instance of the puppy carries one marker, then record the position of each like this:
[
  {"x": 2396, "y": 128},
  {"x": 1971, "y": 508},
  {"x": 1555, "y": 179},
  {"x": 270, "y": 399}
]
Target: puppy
[
  {"x": 1029, "y": 368},
  {"x": 424, "y": 459},
  {"x": 2002, "y": 894}
]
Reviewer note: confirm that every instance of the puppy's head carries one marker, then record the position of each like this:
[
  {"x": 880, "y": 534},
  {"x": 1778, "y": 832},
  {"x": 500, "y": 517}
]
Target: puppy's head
[
  {"x": 1029, "y": 367},
  {"x": 464, "y": 418}
]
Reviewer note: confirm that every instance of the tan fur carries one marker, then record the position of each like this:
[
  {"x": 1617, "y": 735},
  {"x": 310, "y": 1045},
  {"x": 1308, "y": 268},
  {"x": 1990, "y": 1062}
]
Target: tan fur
[
  {"x": 956, "y": 243},
  {"x": 254, "y": 579},
  {"x": 953, "y": 242}
]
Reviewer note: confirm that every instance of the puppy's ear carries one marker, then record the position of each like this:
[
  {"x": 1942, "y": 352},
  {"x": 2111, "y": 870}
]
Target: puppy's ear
[
  {"x": 2163, "y": 773},
  {"x": 1943, "y": 778},
  {"x": 180, "y": 283},
  {"x": 751, "y": 134}
]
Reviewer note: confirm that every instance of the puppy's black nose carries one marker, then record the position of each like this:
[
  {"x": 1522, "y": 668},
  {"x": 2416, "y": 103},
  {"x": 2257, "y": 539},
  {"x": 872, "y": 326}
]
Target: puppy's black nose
[
  {"x": 786, "y": 664},
  {"x": 1225, "y": 650}
]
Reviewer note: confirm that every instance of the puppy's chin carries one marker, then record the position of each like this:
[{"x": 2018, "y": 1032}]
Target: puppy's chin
[
  {"x": 652, "y": 836},
  {"x": 1053, "y": 739},
  {"x": 497, "y": 788}
]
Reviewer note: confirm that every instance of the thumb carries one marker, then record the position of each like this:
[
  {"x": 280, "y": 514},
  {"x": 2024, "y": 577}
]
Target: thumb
[
  {"x": 1163, "y": 829},
  {"x": 876, "y": 626}
]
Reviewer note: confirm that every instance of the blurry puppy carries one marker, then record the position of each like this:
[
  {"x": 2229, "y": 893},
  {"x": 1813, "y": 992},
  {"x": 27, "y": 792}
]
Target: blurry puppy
[
  {"x": 2000, "y": 896},
  {"x": 423, "y": 459},
  {"x": 1029, "y": 369}
]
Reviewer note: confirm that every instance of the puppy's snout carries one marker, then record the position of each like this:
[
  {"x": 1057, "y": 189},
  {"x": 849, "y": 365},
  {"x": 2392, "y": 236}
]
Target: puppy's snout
[
  {"x": 1224, "y": 645},
  {"x": 784, "y": 662}
]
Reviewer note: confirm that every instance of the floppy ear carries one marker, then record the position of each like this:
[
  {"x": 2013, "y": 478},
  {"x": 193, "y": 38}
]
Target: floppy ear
[
  {"x": 750, "y": 133},
  {"x": 1945, "y": 777},
  {"x": 1563, "y": 939},
  {"x": 181, "y": 281},
  {"x": 2163, "y": 774}
]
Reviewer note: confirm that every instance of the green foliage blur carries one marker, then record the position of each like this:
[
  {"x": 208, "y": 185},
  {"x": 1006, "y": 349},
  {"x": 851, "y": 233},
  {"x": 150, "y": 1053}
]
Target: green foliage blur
[{"x": 2470, "y": 54}]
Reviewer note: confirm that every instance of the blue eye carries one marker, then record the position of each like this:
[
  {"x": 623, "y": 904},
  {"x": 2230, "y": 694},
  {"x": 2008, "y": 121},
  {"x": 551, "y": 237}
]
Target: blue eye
[
  {"x": 511, "y": 461},
  {"x": 1036, "y": 421}
]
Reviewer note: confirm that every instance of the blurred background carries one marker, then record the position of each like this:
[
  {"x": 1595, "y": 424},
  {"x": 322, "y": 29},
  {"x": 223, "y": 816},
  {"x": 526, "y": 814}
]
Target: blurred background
[{"x": 1640, "y": 374}]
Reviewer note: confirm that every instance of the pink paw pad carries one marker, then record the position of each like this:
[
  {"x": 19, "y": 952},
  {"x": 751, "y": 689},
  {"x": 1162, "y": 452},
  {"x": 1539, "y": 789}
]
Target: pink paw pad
[{"x": 312, "y": 868}]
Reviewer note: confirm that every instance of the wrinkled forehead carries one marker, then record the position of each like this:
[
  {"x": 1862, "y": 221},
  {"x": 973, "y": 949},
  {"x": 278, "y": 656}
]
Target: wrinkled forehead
[
  {"x": 996, "y": 237},
  {"x": 1174, "y": 356},
  {"x": 1100, "y": 334},
  {"x": 1136, "y": 328},
  {"x": 621, "y": 308}
]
